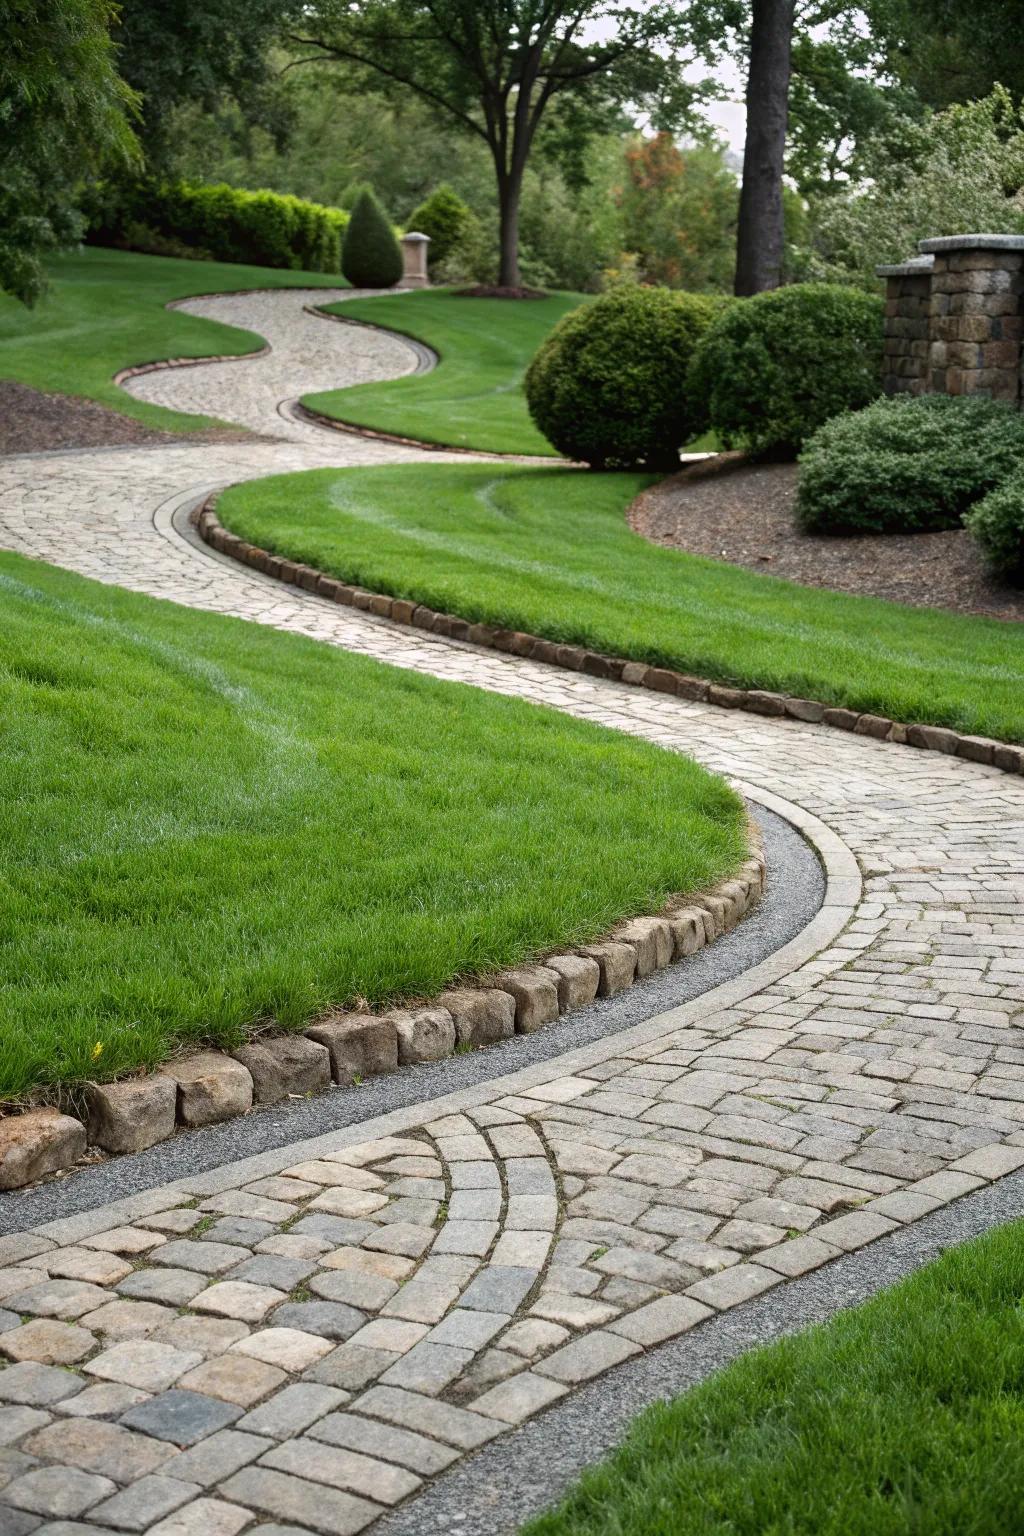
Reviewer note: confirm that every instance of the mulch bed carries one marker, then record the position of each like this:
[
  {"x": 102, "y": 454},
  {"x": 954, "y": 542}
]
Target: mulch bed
[
  {"x": 34, "y": 422},
  {"x": 744, "y": 514}
]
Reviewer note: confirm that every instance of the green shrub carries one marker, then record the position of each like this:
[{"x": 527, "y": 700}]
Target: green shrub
[
  {"x": 266, "y": 229},
  {"x": 609, "y": 385},
  {"x": 776, "y": 367},
  {"x": 445, "y": 218},
  {"x": 907, "y": 464},
  {"x": 997, "y": 522},
  {"x": 370, "y": 255}
]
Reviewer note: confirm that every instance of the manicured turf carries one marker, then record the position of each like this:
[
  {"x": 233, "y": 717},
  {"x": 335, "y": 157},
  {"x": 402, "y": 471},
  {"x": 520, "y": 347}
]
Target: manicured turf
[
  {"x": 548, "y": 551},
  {"x": 474, "y": 398},
  {"x": 206, "y": 823},
  {"x": 105, "y": 311},
  {"x": 904, "y": 1417}
]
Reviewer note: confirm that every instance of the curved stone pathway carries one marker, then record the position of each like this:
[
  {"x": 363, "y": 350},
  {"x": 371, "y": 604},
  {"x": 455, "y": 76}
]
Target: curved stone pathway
[{"x": 307, "y": 1336}]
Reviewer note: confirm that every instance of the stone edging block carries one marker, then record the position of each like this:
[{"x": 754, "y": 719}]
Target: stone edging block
[
  {"x": 1006, "y": 756},
  {"x": 344, "y": 1047}
]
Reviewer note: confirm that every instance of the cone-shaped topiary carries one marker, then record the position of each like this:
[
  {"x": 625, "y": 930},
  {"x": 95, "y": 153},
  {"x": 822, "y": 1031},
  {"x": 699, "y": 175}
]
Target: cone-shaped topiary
[{"x": 370, "y": 255}]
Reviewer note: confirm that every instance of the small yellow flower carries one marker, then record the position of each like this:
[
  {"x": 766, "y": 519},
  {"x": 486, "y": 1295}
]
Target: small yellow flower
[{"x": 97, "y": 1050}]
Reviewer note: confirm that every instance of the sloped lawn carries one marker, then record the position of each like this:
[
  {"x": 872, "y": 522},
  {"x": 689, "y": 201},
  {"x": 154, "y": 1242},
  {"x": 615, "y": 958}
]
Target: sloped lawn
[
  {"x": 474, "y": 397},
  {"x": 207, "y": 824},
  {"x": 549, "y": 551},
  {"x": 105, "y": 311}
]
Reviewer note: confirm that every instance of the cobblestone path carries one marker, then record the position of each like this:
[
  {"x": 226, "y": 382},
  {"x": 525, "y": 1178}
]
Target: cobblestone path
[{"x": 306, "y": 1336}]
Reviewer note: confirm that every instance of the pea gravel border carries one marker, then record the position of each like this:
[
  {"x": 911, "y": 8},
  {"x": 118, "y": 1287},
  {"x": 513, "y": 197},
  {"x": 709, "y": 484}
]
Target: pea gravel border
[
  {"x": 759, "y": 701},
  {"x": 793, "y": 900}
]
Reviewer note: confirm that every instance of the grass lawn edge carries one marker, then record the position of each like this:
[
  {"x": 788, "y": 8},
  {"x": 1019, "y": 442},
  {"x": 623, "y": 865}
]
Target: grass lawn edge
[{"x": 1006, "y": 755}]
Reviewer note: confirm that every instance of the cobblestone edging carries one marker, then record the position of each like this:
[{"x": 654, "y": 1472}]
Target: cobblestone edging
[
  {"x": 759, "y": 701},
  {"x": 137, "y": 369},
  {"x": 346, "y": 1047}
]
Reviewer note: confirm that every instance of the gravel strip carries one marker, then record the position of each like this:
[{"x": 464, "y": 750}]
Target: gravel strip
[
  {"x": 494, "y": 1491},
  {"x": 794, "y": 893}
]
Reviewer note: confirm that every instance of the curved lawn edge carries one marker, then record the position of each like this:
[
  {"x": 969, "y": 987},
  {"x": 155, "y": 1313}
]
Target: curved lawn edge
[
  {"x": 1008, "y": 757},
  {"x": 208, "y": 1087},
  {"x": 429, "y": 359},
  {"x": 478, "y": 438}
]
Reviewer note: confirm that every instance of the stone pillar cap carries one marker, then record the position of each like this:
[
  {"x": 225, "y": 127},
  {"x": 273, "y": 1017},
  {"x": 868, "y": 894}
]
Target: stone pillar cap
[
  {"x": 414, "y": 234},
  {"x": 973, "y": 243},
  {"x": 916, "y": 266}
]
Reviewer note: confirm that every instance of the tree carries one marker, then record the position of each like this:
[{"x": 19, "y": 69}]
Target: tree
[
  {"x": 950, "y": 51},
  {"x": 760, "y": 239},
  {"x": 496, "y": 67},
  {"x": 207, "y": 52},
  {"x": 679, "y": 213},
  {"x": 64, "y": 112}
]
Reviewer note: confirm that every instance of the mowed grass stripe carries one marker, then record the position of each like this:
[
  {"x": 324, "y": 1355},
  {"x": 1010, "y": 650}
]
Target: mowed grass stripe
[
  {"x": 474, "y": 398},
  {"x": 549, "y": 551},
  {"x": 207, "y": 825}
]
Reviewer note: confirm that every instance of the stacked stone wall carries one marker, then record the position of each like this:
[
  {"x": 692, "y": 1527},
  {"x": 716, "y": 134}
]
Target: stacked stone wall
[{"x": 955, "y": 318}]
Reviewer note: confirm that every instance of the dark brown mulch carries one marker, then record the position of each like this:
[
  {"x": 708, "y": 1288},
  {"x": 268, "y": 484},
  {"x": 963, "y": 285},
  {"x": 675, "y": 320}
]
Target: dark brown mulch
[
  {"x": 745, "y": 515},
  {"x": 34, "y": 422},
  {"x": 489, "y": 291}
]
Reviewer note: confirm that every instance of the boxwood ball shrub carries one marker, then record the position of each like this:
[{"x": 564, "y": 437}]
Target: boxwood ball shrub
[
  {"x": 907, "y": 464},
  {"x": 997, "y": 522},
  {"x": 371, "y": 257},
  {"x": 610, "y": 384},
  {"x": 774, "y": 368}
]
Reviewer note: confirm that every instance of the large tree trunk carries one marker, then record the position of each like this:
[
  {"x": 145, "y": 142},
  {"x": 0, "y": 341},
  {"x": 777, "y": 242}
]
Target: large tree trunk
[
  {"x": 760, "y": 238},
  {"x": 509, "y": 188}
]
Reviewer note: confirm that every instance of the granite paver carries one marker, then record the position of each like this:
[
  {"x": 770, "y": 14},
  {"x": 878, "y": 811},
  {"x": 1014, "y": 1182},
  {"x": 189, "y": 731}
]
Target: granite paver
[{"x": 408, "y": 1298}]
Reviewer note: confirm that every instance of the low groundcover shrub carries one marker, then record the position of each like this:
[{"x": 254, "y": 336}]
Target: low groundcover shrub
[
  {"x": 774, "y": 368},
  {"x": 610, "y": 387},
  {"x": 907, "y": 464}
]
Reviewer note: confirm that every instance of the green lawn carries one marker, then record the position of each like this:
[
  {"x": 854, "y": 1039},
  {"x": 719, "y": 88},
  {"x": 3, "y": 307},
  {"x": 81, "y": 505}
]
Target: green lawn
[
  {"x": 206, "y": 823},
  {"x": 474, "y": 398},
  {"x": 904, "y": 1417},
  {"x": 548, "y": 551},
  {"x": 105, "y": 311}
]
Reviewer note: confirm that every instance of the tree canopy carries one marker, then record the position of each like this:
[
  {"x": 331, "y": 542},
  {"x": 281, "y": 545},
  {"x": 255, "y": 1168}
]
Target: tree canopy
[
  {"x": 498, "y": 67},
  {"x": 64, "y": 112}
]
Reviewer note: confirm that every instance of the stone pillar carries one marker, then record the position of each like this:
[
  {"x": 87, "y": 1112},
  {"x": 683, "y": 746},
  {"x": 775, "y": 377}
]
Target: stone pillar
[
  {"x": 414, "y": 255},
  {"x": 975, "y": 315},
  {"x": 907, "y": 308}
]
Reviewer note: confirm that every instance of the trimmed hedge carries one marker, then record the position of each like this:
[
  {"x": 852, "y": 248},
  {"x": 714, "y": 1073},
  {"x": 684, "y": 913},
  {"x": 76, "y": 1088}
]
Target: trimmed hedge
[
  {"x": 997, "y": 522},
  {"x": 609, "y": 386},
  {"x": 265, "y": 229},
  {"x": 776, "y": 367},
  {"x": 371, "y": 257},
  {"x": 907, "y": 464}
]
